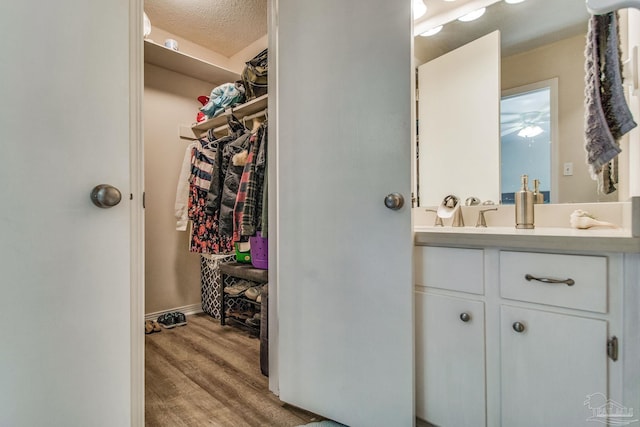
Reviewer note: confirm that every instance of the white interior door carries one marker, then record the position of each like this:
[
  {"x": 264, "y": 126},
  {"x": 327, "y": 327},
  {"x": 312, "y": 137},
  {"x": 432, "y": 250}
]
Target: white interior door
[
  {"x": 342, "y": 260},
  {"x": 65, "y": 274}
]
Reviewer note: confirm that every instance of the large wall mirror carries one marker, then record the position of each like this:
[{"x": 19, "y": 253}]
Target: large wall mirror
[{"x": 540, "y": 41}]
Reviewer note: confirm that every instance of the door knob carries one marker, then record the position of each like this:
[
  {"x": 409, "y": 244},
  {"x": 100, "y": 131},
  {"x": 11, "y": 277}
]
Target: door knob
[
  {"x": 394, "y": 201},
  {"x": 105, "y": 196},
  {"x": 465, "y": 317},
  {"x": 518, "y": 327}
]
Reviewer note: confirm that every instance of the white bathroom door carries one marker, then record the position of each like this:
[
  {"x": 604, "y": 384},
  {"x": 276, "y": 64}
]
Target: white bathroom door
[
  {"x": 65, "y": 273},
  {"x": 342, "y": 260}
]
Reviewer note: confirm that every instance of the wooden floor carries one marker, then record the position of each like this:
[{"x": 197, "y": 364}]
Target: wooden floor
[{"x": 203, "y": 374}]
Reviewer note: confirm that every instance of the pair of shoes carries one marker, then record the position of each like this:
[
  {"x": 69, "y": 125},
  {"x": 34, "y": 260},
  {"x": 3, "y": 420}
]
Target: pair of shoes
[
  {"x": 151, "y": 326},
  {"x": 237, "y": 288},
  {"x": 172, "y": 319},
  {"x": 253, "y": 293}
]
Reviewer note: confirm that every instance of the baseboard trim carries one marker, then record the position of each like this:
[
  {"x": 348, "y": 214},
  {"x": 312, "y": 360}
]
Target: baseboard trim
[{"x": 187, "y": 310}]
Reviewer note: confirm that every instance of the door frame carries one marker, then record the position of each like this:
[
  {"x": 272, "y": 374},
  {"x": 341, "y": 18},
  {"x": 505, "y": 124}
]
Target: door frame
[{"x": 136, "y": 153}]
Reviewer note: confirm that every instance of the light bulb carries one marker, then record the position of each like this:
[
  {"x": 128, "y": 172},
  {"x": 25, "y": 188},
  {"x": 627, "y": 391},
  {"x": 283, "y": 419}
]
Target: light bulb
[
  {"x": 419, "y": 8},
  {"x": 472, "y": 16},
  {"x": 432, "y": 31}
]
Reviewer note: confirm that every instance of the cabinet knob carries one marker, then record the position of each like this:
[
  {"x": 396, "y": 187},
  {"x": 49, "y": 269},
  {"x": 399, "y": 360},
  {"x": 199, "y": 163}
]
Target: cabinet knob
[
  {"x": 518, "y": 327},
  {"x": 465, "y": 317}
]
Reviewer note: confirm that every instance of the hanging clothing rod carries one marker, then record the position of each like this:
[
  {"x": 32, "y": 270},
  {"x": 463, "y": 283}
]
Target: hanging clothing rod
[
  {"x": 262, "y": 113},
  {"x": 600, "y": 7}
]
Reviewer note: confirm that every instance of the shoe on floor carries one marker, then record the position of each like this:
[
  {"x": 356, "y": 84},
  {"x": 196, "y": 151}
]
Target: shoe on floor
[
  {"x": 148, "y": 327},
  {"x": 172, "y": 319},
  {"x": 167, "y": 320},
  {"x": 151, "y": 326},
  {"x": 179, "y": 319}
]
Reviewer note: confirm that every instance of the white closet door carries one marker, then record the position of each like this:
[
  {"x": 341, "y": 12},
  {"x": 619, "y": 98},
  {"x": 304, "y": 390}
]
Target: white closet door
[
  {"x": 342, "y": 142},
  {"x": 65, "y": 304}
]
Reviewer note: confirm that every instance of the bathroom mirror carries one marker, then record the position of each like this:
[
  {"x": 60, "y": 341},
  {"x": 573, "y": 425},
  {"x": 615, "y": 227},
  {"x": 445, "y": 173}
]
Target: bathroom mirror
[{"x": 540, "y": 40}]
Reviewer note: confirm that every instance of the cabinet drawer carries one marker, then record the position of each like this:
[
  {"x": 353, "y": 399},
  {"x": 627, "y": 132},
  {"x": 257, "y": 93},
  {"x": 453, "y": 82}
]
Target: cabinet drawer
[
  {"x": 589, "y": 274},
  {"x": 450, "y": 268}
]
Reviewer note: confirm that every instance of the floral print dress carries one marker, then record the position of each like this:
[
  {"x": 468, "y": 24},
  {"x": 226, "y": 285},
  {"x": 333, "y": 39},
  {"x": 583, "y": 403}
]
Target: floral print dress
[{"x": 205, "y": 237}]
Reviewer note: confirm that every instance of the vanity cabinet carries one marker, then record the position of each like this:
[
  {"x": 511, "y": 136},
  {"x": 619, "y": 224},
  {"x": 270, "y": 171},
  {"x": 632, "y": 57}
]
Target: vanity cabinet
[
  {"x": 550, "y": 363},
  {"x": 450, "y": 344},
  {"x": 531, "y": 351}
]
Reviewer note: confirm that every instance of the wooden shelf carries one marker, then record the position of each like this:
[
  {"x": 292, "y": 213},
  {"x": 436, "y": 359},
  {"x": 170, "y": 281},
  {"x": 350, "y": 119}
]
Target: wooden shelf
[
  {"x": 188, "y": 65},
  {"x": 240, "y": 111}
]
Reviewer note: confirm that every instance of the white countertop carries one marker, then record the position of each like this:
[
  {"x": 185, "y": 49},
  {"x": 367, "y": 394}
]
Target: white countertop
[{"x": 558, "y": 238}]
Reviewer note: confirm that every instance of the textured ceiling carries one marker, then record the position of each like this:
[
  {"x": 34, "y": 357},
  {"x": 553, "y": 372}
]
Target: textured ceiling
[{"x": 224, "y": 26}]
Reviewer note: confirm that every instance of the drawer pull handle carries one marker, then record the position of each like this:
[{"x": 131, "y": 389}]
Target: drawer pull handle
[
  {"x": 518, "y": 327},
  {"x": 465, "y": 317},
  {"x": 568, "y": 282}
]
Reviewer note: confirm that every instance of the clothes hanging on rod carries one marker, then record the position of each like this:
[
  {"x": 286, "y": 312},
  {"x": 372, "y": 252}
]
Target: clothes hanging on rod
[
  {"x": 205, "y": 236},
  {"x": 250, "y": 186},
  {"x": 182, "y": 192},
  {"x": 223, "y": 190}
]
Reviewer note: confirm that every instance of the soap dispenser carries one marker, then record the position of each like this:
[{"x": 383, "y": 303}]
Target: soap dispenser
[
  {"x": 538, "y": 197},
  {"x": 524, "y": 205}
]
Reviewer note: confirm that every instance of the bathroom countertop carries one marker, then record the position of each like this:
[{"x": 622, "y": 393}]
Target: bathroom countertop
[{"x": 552, "y": 238}]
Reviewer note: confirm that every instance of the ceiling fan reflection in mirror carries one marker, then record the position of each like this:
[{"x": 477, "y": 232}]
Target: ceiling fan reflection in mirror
[{"x": 527, "y": 113}]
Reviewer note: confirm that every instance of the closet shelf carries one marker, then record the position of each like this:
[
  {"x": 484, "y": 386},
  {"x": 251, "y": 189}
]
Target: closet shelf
[
  {"x": 240, "y": 111},
  {"x": 186, "y": 64}
]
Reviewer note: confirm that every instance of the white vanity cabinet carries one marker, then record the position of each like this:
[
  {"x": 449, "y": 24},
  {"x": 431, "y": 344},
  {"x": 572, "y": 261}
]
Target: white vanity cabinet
[
  {"x": 450, "y": 347},
  {"x": 550, "y": 363},
  {"x": 531, "y": 352}
]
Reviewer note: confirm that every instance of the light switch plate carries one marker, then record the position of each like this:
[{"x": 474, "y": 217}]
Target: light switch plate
[{"x": 568, "y": 169}]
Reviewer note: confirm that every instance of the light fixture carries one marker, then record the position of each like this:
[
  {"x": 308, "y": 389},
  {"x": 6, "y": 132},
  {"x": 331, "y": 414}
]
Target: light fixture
[
  {"x": 419, "y": 8},
  {"x": 530, "y": 131},
  {"x": 432, "y": 31},
  {"x": 513, "y": 1},
  {"x": 471, "y": 16}
]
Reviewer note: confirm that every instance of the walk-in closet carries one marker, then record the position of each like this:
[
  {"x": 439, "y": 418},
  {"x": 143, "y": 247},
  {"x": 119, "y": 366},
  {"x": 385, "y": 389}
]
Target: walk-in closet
[{"x": 206, "y": 274}]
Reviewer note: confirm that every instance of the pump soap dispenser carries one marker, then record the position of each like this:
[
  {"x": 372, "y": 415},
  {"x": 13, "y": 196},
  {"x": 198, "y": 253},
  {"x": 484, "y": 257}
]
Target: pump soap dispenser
[
  {"x": 538, "y": 197},
  {"x": 524, "y": 205}
]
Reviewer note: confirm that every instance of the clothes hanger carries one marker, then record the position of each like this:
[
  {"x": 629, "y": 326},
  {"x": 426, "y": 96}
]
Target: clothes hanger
[{"x": 600, "y": 7}]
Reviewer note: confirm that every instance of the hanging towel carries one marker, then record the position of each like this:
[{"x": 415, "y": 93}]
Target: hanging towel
[
  {"x": 607, "y": 116},
  {"x": 616, "y": 111}
]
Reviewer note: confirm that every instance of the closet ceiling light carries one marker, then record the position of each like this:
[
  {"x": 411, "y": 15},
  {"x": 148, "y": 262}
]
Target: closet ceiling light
[
  {"x": 419, "y": 8},
  {"x": 432, "y": 31},
  {"x": 472, "y": 16},
  {"x": 513, "y": 1}
]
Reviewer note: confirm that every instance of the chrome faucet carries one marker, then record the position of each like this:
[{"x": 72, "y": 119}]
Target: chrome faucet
[
  {"x": 438, "y": 221},
  {"x": 458, "y": 220},
  {"x": 481, "y": 221}
]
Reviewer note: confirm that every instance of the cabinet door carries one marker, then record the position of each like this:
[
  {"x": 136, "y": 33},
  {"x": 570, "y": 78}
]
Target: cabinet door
[
  {"x": 450, "y": 361},
  {"x": 551, "y": 367}
]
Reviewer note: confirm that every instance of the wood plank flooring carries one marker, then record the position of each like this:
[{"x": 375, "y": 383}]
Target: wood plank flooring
[{"x": 203, "y": 374}]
